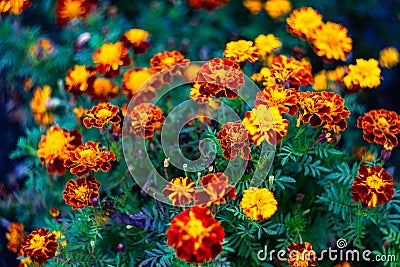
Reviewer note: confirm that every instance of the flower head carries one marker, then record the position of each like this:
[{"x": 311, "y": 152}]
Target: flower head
[
  {"x": 209, "y": 5},
  {"x": 290, "y": 70},
  {"x": 365, "y": 74},
  {"x": 101, "y": 115},
  {"x": 133, "y": 80},
  {"x": 137, "y": 39},
  {"x": 389, "y": 57},
  {"x": 145, "y": 118},
  {"x": 302, "y": 22},
  {"x": 215, "y": 188},
  {"x": 373, "y": 186},
  {"x": 54, "y": 148},
  {"x": 15, "y": 236},
  {"x": 60, "y": 238},
  {"x": 103, "y": 90},
  {"x": 42, "y": 49},
  {"x": 266, "y": 44},
  {"x": 40, "y": 245},
  {"x": 41, "y": 112},
  {"x": 167, "y": 59},
  {"x": 277, "y": 8},
  {"x": 80, "y": 193},
  {"x": 301, "y": 255},
  {"x": 234, "y": 141},
  {"x": 276, "y": 95},
  {"x": 79, "y": 79},
  {"x": 13, "y": 6},
  {"x": 380, "y": 127},
  {"x": 179, "y": 190},
  {"x": 69, "y": 10},
  {"x": 89, "y": 157},
  {"x": 55, "y": 212},
  {"x": 258, "y": 203},
  {"x": 254, "y": 6},
  {"x": 241, "y": 51},
  {"x": 110, "y": 57},
  {"x": 195, "y": 235}
]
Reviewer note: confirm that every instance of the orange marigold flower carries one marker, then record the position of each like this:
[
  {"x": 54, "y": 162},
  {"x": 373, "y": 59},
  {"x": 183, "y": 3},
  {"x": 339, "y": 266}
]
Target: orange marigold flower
[
  {"x": 234, "y": 141},
  {"x": 365, "y": 74},
  {"x": 209, "y": 5},
  {"x": 263, "y": 123},
  {"x": 254, "y": 6},
  {"x": 133, "y": 80},
  {"x": 39, "y": 108},
  {"x": 277, "y": 8},
  {"x": 55, "y": 212},
  {"x": 89, "y": 157},
  {"x": 79, "y": 79},
  {"x": 137, "y": 39},
  {"x": 13, "y": 6},
  {"x": 80, "y": 193},
  {"x": 167, "y": 59},
  {"x": 70, "y": 10},
  {"x": 276, "y": 95},
  {"x": 42, "y": 48},
  {"x": 258, "y": 203},
  {"x": 109, "y": 57},
  {"x": 146, "y": 118},
  {"x": 373, "y": 186},
  {"x": 380, "y": 127},
  {"x": 195, "y": 235},
  {"x": 290, "y": 72},
  {"x": 389, "y": 57},
  {"x": 40, "y": 245},
  {"x": 215, "y": 188},
  {"x": 15, "y": 236},
  {"x": 54, "y": 148},
  {"x": 302, "y": 22},
  {"x": 266, "y": 44},
  {"x": 301, "y": 255},
  {"x": 331, "y": 41},
  {"x": 240, "y": 51},
  {"x": 101, "y": 115},
  {"x": 103, "y": 90},
  {"x": 179, "y": 190}
]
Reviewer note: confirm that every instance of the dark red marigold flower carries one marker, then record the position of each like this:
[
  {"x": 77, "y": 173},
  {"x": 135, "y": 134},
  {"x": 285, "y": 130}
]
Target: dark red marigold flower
[
  {"x": 101, "y": 115},
  {"x": 301, "y": 255},
  {"x": 234, "y": 141},
  {"x": 146, "y": 118},
  {"x": 40, "y": 245},
  {"x": 81, "y": 193},
  {"x": 215, "y": 188}
]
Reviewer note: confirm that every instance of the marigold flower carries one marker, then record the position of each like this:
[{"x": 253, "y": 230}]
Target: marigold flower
[
  {"x": 263, "y": 123},
  {"x": 215, "y": 188},
  {"x": 264, "y": 76},
  {"x": 15, "y": 236},
  {"x": 80, "y": 193},
  {"x": 195, "y": 235},
  {"x": 79, "y": 79},
  {"x": 40, "y": 245},
  {"x": 41, "y": 113},
  {"x": 162, "y": 61},
  {"x": 209, "y": 5},
  {"x": 179, "y": 190},
  {"x": 276, "y": 95},
  {"x": 240, "y": 51},
  {"x": 55, "y": 212},
  {"x": 42, "y": 48},
  {"x": 103, "y": 90},
  {"x": 79, "y": 112},
  {"x": 146, "y": 118},
  {"x": 234, "y": 141},
  {"x": 277, "y": 8},
  {"x": 290, "y": 70},
  {"x": 380, "y": 127},
  {"x": 109, "y": 57},
  {"x": 26, "y": 262},
  {"x": 331, "y": 41},
  {"x": 365, "y": 74},
  {"x": 254, "y": 6},
  {"x": 266, "y": 44},
  {"x": 301, "y": 255},
  {"x": 373, "y": 186},
  {"x": 70, "y": 10},
  {"x": 89, "y": 157},
  {"x": 302, "y": 22},
  {"x": 60, "y": 238},
  {"x": 133, "y": 80},
  {"x": 361, "y": 154},
  {"x": 258, "y": 203},
  {"x": 137, "y": 39},
  {"x": 101, "y": 115},
  {"x": 54, "y": 148},
  {"x": 13, "y": 6},
  {"x": 389, "y": 57}
]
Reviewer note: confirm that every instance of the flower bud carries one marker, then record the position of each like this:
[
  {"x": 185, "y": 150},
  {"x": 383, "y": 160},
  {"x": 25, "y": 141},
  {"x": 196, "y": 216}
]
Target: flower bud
[
  {"x": 95, "y": 202},
  {"x": 121, "y": 248}
]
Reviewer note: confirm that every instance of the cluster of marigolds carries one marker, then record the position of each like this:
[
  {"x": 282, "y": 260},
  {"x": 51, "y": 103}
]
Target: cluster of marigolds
[{"x": 195, "y": 235}]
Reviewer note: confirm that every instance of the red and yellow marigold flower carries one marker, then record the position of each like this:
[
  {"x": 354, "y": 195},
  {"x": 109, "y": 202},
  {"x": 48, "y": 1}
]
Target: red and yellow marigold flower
[
  {"x": 290, "y": 72},
  {"x": 276, "y": 95},
  {"x": 195, "y": 235},
  {"x": 209, "y": 5},
  {"x": 89, "y": 157},
  {"x": 167, "y": 59},
  {"x": 254, "y": 6},
  {"x": 241, "y": 51},
  {"x": 373, "y": 186},
  {"x": 365, "y": 74},
  {"x": 80, "y": 193},
  {"x": 145, "y": 118},
  {"x": 215, "y": 189},
  {"x": 301, "y": 255},
  {"x": 266, "y": 45},
  {"x": 101, "y": 115},
  {"x": 13, "y": 6},
  {"x": 79, "y": 79},
  {"x": 302, "y": 22},
  {"x": 42, "y": 49},
  {"x": 234, "y": 141},
  {"x": 15, "y": 236},
  {"x": 277, "y": 8},
  {"x": 258, "y": 203},
  {"x": 331, "y": 41},
  {"x": 40, "y": 245},
  {"x": 180, "y": 191},
  {"x": 137, "y": 40},
  {"x": 70, "y": 10},
  {"x": 380, "y": 127},
  {"x": 54, "y": 148},
  {"x": 389, "y": 57},
  {"x": 55, "y": 212},
  {"x": 133, "y": 80},
  {"x": 39, "y": 107},
  {"x": 264, "y": 123},
  {"x": 103, "y": 90},
  {"x": 110, "y": 57}
]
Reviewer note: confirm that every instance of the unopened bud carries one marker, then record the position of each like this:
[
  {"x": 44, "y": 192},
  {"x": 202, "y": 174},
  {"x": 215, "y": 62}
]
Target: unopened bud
[
  {"x": 121, "y": 248},
  {"x": 95, "y": 202}
]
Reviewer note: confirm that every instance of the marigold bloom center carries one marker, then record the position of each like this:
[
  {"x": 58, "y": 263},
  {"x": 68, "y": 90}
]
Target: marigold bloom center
[
  {"x": 37, "y": 242},
  {"x": 375, "y": 182},
  {"x": 110, "y": 54},
  {"x": 81, "y": 192},
  {"x": 104, "y": 113},
  {"x": 383, "y": 124},
  {"x": 88, "y": 155},
  {"x": 195, "y": 228}
]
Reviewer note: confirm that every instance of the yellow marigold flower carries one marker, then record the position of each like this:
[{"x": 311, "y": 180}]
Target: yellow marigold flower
[
  {"x": 240, "y": 51},
  {"x": 40, "y": 245},
  {"x": 264, "y": 76},
  {"x": 145, "y": 119},
  {"x": 337, "y": 74},
  {"x": 276, "y": 95},
  {"x": 110, "y": 57},
  {"x": 373, "y": 186},
  {"x": 103, "y": 90},
  {"x": 263, "y": 123},
  {"x": 389, "y": 57},
  {"x": 277, "y": 8},
  {"x": 137, "y": 39},
  {"x": 267, "y": 44},
  {"x": 131, "y": 82},
  {"x": 254, "y": 6},
  {"x": 67, "y": 10},
  {"x": 328, "y": 79},
  {"x": 60, "y": 238},
  {"x": 365, "y": 74},
  {"x": 13, "y": 6},
  {"x": 195, "y": 235},
  {"x": 42, "y": 48},
  {"x": 321, "y": 82},
  {"x": 79, "y": 79},
  {"x": 258, "y": 203},
  {"x": 301, "y": 255},
  {"x": 179, "y": 190},
  {"x": 302, "y": 22},
  {"x": 80, "y": 193},
  {"x": 332, "y": 42},
  {"x": 15, "y": 236},
  {"x": 55, "y": 212},
  {"x": 101, "y": 115},
  {"x": 41, "y": 113}
]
